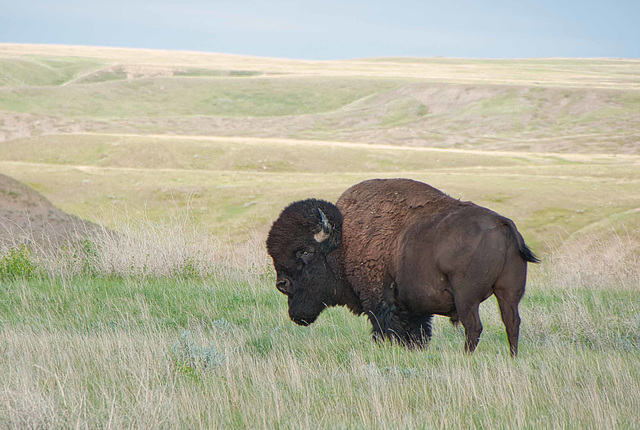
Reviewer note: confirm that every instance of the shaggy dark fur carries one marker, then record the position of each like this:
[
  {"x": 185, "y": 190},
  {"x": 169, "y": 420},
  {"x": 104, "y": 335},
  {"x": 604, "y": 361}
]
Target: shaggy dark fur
[{"x": 400, "y": 251}]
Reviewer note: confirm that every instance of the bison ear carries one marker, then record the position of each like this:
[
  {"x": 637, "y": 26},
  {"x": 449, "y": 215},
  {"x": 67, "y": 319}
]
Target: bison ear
[{"x": 325, "y": 228}]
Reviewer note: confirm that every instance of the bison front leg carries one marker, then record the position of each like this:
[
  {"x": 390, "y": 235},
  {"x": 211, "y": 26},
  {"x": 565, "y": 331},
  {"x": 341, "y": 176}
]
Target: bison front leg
[
  {"x": 420, "y": 330},
  {"x": 389, "y": 323}
]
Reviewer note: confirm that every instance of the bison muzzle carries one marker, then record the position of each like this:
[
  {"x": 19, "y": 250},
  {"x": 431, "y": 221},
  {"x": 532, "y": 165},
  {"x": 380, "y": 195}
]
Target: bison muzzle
[{"x": 400, "y": 251}]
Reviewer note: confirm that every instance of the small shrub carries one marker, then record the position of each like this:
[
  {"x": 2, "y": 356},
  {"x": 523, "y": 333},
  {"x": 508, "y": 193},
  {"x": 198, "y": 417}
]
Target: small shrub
[
  {"x": 187, "y": 269},
  {"x": 89, "y": 255},
  {"x": 17, "y": 264},
  {"x": 190, "y": 359}
]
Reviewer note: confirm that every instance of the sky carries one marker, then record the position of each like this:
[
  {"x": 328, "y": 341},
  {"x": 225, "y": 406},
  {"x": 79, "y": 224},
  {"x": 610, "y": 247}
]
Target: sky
[{"x": 332, "y": 30}]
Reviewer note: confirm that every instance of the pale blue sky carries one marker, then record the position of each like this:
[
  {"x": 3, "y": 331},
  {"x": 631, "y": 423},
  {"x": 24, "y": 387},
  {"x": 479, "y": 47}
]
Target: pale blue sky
[{"x": 331, "y": 29}]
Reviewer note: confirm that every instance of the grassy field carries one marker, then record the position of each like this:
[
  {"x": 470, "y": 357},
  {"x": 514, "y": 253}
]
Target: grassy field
[
  {"x": 190, "y": 156},
  {"x": 174, "y": 353}
]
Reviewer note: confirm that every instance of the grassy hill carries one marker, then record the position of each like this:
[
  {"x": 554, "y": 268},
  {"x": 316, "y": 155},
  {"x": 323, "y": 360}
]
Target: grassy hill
[
  {"x": 174, "y": 322},
  {"x": 239, "y": 137},
  {"x": 542, "y": 105}
]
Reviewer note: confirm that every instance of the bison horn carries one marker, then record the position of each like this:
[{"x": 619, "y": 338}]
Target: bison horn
[{"x": 325, "y": 231}]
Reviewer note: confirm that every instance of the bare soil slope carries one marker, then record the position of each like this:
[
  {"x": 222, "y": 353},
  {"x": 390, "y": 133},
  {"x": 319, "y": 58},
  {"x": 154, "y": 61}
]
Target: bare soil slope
[{"x": 28, "y": 217}]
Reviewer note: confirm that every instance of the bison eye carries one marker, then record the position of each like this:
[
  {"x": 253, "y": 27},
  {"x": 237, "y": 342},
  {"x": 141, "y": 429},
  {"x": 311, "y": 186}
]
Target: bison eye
[{"x": 304, "y": 255}]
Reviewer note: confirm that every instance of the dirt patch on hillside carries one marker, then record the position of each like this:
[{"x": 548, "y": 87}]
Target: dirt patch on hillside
[
  {"x": 28, "y": 217},
  {"x": 21, "y": 125},
  {"x": 484, "y": 117}
]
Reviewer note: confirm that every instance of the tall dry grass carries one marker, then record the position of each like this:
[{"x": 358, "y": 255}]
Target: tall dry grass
[
  {"x": 607, "y": 259},
  {"x": 173, "y": 247},
  {"x": 149, "y": 348},
  {"x": 178, "y": 246}
]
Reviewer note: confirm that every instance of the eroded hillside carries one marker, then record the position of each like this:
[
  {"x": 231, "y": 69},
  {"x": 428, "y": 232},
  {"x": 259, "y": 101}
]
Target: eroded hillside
[{"x": 553, "y": 105}]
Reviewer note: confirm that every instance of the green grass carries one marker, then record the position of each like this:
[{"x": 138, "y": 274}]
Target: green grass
[
  {"x": 228, "y": 154},
  {"x": 162, "y": 97},
  {"x": 16, "y": 264},
  {"x": 220, "y": 353},
  {"x": 42, "y": 71},
  {"x": 398, "y": 112},
  {"x": 352, "y": 101},
  {"x": 86, "y": 304}
]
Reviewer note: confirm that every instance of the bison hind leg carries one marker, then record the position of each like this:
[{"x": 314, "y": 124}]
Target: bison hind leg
[{"x": 509, "y": 290}]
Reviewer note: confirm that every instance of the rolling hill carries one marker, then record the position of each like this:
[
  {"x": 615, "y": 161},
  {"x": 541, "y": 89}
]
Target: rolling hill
[{"x": 553, "y": 143}]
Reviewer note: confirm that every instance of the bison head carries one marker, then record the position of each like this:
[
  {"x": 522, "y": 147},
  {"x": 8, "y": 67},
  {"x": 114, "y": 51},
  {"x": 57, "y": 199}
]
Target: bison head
[{"x": 299, "y": 243}]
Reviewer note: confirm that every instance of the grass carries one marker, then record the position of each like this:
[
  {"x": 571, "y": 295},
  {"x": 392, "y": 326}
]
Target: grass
[
  {"x": 200, "y": 353},
  {"x": 119, "y": 332},
  {"x": 153, "y": 97},
  {"x": 34, "y": 71},
  {"x": 233, "y": 185},
  {"x": 588, "y": 73},
  {"x": 173, "y": 322},
  {"x": 518, "y": 104}
]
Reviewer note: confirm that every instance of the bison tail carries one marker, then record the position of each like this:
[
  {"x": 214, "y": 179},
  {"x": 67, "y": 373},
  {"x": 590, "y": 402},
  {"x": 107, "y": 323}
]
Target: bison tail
[{"x": 525, "y": 252}]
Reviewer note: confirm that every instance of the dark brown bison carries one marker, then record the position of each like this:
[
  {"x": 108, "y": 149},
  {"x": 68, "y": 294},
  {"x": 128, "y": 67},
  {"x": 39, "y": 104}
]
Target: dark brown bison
[{"x": 400, "y": 251}]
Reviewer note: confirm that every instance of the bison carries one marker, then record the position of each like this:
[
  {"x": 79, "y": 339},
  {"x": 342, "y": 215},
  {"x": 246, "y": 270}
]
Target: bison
[{"x": 400, "y": 251}]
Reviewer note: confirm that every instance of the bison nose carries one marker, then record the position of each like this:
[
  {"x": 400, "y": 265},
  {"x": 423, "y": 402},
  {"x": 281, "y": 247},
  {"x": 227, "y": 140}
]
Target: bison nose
[{"x": 284, "y": 285}]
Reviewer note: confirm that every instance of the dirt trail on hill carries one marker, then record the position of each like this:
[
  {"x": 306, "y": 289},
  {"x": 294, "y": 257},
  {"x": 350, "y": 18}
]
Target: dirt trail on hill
[{"x": 578, "y": 156}]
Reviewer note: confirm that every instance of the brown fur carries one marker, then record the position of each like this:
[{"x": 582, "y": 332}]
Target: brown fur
[
  {"x": 375, "y": 213},
  {"x": 400, "y": 251}
]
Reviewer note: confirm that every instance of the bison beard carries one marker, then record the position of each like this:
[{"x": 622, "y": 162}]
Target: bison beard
[{"x": 400, "y": 251}]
